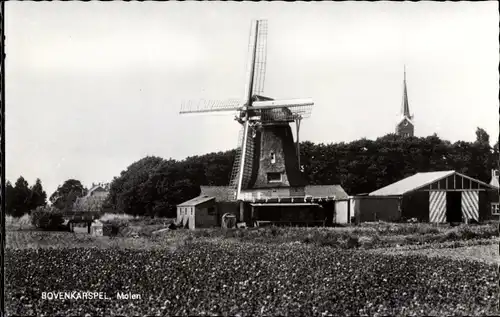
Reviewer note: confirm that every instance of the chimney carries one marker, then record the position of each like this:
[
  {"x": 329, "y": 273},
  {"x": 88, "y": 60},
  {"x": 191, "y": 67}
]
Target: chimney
[{"x": 494, "y": 178}]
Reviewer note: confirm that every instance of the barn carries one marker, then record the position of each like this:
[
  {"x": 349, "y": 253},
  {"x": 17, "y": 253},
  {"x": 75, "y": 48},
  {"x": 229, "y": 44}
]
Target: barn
[
  {"x": 437, "y": 197},
  {"x": 308, "y": 205}
]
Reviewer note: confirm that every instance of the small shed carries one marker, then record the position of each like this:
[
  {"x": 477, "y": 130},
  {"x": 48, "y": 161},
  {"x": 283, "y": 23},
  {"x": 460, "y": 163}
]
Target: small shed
[
  {"x": 340, "y": 200},
  {"x": 437, "y": 197},
  {"x": 198, "y": 212},
  {"x": 96, "y": 228}
]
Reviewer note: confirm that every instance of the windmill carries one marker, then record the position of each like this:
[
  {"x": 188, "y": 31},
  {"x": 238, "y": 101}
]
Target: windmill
[{"x": 266, "y": 155}]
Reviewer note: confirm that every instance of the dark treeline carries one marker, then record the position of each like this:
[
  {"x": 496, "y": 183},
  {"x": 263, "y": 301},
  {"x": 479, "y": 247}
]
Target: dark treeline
[
  {"x": 22, "y": 199},
  {"x": 154, "y": 186}
]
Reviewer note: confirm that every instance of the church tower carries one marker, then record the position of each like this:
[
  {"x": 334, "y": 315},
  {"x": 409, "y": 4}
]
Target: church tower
[{"x": 405, "y": 126}]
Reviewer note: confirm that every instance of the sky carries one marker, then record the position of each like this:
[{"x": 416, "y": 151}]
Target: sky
[{"x": 92, "y": 87}]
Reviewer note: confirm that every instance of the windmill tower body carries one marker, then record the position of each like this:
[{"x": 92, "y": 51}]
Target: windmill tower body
[{"x": 267, "y": 162}]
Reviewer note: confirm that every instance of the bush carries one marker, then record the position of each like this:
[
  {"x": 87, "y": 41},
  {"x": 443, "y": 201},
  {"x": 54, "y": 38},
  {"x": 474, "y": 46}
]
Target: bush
[
  {"x": 114, "y": 227},
  {"x": 47, "y": 218}
]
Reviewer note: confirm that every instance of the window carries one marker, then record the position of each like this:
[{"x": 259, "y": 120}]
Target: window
[
  {"x": 274, "y": 177},
  {"x": 495, "y": 209},
  {"x": 273, "y": 158}
]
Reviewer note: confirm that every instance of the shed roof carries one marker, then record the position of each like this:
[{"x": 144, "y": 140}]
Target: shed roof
[
  {"x": 196, "y": 201},
  {"x": 326, "y": 191},
  {"x": 220, "y": 193},
  {"x": 418, "y": 181}
]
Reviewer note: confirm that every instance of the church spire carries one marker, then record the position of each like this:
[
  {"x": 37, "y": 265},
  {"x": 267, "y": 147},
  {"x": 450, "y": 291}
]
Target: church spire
[
  {"x": 405, "y": 126},
  {"x": 405, "y": 111}
]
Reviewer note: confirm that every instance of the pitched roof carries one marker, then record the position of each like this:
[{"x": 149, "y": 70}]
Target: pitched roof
[
  {"x": 96, "y": 188},
  {"x": 411, "y": 183},
  {"x": 220, "y": 193},
  {"x": 326, "y": 191},
  {"x": 196, "y": 201}
]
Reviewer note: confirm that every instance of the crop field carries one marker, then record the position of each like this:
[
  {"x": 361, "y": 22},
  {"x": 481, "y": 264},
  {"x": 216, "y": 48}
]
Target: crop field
[
  {"x": 202, "y": 278},
  {"x": 410, "y": 270}
]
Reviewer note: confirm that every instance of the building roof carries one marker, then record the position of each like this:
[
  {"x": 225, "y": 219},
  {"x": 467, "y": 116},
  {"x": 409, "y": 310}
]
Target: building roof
[
  {"x": 418, "y": 181},
  {"x": 97, "y": 188},
  {"x": 220, "y": 193},
  {"x": 411, "y": 183},
  {"x": 226, "y": 193},
  {"x": 326, "y": 191},
  {"x": 196, "y": 201}
]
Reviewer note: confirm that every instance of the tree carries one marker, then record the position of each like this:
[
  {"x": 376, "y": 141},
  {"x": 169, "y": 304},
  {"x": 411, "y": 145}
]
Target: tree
[
  {"x": 21, "y": 198},
  {"x": 482, "y": 136},
  {"x": 65, "y": 196},
  {"x": 38, "y": 195},
  {"x": 9, "y": 199}
]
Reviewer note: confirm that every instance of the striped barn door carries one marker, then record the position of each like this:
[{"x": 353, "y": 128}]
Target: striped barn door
[
  {"x": 437, "y": 206},
  {"x": 470, "y": 205}
]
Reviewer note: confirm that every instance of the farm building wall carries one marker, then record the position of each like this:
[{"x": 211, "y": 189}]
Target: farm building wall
[
  {"x": 206, "y": 215},
  {"x": 341, "y": 213},
  {"x": 273, "y": 192},
  {"x": 415, "y": 205},
  {"x": 374, "y": 208},
  {"x": 289, "y": 213},
  {"x": 486, "y": 198}
]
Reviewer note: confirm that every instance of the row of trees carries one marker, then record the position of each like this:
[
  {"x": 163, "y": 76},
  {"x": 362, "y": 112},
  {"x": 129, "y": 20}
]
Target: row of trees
[
  {"x": 22, "y": 198},
  {"x": 154, "y": 186}
]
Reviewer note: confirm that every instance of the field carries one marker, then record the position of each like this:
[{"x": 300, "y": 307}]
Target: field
[{"x": 377, "y": 269}]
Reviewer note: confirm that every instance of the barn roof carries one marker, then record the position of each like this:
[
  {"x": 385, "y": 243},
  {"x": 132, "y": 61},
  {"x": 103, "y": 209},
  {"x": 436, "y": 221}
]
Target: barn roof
[
  {"x": 417, "y": 181},
  {"x": 196, "y": 201},
  {"x": 411, "y": 183}
]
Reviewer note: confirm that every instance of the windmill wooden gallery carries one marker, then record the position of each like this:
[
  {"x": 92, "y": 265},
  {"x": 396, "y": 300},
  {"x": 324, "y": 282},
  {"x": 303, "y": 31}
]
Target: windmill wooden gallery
[{"x": 267, "y": 185}]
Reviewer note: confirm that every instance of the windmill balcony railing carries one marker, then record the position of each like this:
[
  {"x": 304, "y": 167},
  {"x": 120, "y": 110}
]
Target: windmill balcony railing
[{"x": 299, "y": 199}]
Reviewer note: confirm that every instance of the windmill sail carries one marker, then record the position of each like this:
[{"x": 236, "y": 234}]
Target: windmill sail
[
  {"x": 203, "y": 106},
  {"x": 244, "y": 161},
  {"x": 260, "y": 58},
  {"x": 239, "y": 160}
]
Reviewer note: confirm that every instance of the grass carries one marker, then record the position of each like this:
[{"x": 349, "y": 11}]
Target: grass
[
  {"x": 367, "y": 236},
  {"x": 22, "y": 223},
  {"x": 485, "y": 252}
]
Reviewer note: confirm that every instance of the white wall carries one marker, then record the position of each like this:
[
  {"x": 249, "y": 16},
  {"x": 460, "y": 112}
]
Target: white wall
[{"x": 341, "y": 211}]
